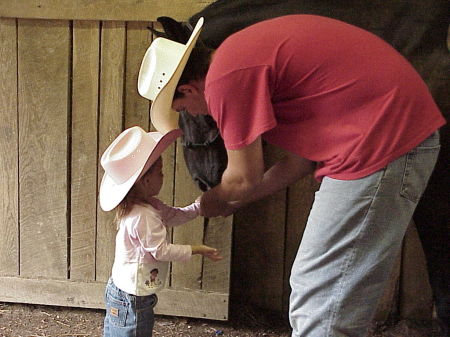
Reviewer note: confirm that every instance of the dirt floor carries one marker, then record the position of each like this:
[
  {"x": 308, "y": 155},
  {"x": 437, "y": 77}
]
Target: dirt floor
[{"x": 21, "y": 320}]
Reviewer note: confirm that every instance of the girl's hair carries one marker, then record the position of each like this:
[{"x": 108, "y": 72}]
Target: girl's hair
[
  {"x": 131, "y": 199},
  {"x": 196, "y": 67},
  {"x": 124, "y": 208}
]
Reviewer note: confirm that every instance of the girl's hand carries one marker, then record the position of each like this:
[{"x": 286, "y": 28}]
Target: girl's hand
[{"x": 209, "y": 252}]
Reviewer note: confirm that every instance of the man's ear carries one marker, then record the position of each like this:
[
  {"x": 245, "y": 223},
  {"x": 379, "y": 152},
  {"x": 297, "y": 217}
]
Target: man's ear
[{"x": 188, "y": 89}]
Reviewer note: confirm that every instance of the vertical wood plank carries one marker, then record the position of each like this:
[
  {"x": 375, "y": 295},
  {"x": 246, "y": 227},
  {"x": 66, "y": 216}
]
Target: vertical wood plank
[
  {"x": 300, "y": 200},
  {"x": 168, "y": 157},
  {"x": 136, "y": 106},
  {"x": 416, "y": 300},
  {"x": 186, "y": 275},
  {"x": 166, "y": 192},
  {"x": 218, "y": 234},
  {"x": 110, "y": 126},
  {"x": 43, "y": 54},
  {"x": 9, "y": 209},
  {"x": 86, "y": 39},
  {"x": 260, "y": 234}
]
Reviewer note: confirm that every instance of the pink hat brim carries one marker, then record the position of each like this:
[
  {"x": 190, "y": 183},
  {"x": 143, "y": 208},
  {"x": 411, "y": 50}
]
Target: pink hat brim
[{"x": 111, "y": 194}]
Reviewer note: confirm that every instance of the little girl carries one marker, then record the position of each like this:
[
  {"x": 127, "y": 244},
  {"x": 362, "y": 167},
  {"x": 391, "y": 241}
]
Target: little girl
[{"x": 133, "y": 177}]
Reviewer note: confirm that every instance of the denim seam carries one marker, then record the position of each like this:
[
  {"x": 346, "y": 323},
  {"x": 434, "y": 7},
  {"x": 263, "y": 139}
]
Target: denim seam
[
  {"x": 407, "y": 169},
  {"x": 339, "y": 287}
]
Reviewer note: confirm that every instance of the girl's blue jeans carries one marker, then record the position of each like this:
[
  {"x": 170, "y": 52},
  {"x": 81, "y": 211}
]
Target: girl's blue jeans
[
  {"x": 128, "y": 315},
  {"x": 352, "y": 238}
]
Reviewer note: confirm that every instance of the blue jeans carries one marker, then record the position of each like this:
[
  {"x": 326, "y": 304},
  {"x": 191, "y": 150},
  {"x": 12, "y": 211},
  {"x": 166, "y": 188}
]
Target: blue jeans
[
  {"x": 352, "y": 238},
  {"x": 128, "y": 315}
]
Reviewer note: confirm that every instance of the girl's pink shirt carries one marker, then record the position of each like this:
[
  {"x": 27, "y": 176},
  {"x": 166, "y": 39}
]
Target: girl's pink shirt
[{"x": 142, "y": 245}]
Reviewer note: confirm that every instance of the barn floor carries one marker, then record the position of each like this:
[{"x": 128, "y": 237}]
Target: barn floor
[{"x": 21, "y": 320}]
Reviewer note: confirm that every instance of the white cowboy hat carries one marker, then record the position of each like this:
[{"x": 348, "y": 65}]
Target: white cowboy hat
[
  {"x": 127, "y": 158},
  {"x": 160, "y": 71}
]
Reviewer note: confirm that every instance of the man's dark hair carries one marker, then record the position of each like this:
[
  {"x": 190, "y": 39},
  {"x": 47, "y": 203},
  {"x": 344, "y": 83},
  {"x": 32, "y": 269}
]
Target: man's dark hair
[{"x": 196, "y": 67}]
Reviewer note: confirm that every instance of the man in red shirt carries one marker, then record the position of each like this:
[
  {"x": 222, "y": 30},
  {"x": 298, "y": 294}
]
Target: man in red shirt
[{"x": 343, "y": 104}]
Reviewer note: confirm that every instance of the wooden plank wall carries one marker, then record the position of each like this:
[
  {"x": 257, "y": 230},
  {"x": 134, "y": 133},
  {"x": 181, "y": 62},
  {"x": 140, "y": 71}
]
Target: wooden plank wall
[{"x": 69, "y": 89}]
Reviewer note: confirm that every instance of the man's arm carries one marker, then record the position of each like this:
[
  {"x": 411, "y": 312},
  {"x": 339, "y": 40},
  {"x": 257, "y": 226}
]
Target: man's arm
[{"x": 244, "y": 179}]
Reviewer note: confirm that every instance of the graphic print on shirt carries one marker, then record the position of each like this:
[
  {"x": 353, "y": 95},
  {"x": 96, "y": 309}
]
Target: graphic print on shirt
[{"x": 154, "y": 281}]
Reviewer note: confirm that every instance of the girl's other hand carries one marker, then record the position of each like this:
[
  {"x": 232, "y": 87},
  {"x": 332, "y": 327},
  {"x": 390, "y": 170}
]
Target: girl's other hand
[{"x": 209, "y": 252}]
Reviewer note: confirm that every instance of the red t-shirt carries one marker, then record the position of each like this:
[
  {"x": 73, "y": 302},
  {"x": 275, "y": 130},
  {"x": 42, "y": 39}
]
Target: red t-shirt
[{"x": 322, "y": 89}]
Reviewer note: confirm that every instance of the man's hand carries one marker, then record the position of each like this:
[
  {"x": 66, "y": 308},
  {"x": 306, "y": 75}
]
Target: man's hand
[
  {"x": 231, "y": 208},
  {"x": 209, "y": 252},
  {"x": 211, "y": 207}
]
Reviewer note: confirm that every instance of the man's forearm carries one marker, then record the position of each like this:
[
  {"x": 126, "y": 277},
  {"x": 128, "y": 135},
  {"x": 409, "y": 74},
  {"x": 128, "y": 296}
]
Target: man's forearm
[
  {"x": 284, "y": 173},
  {"x": 245, "y": 181},
  {"x": 231, "y": 188}
]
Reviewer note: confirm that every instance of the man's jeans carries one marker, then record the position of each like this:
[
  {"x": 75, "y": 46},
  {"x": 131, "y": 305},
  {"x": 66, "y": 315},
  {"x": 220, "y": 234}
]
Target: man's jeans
[
  {"x": 128, "y": 315},
  {"x": 352, "y": 238}
]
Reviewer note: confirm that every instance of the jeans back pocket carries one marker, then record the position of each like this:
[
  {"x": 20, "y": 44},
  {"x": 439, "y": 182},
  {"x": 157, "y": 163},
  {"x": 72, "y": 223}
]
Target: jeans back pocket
[
  {"x": 419, "y": 165},
  {"x": 116, "y": 309}
]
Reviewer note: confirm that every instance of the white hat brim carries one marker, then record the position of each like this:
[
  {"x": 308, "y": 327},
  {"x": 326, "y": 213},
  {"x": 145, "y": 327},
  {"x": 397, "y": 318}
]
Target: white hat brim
[
  {"x": 163, "y": 117},
  {"x": 111, "y": 194}
]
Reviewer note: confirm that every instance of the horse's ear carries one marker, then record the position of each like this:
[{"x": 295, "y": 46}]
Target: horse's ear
[
  {"x": 157, "y": 33},
  {"x": 174, "y": 30}
]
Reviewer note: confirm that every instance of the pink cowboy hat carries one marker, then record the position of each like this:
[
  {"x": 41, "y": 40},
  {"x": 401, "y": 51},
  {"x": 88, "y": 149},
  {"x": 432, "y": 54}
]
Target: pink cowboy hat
[{"x": 127, "y": 158}]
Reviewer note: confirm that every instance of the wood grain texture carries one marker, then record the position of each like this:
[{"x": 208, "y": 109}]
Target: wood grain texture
[
  {"x": 186, "y": 274},
  {"x": 123, "y": 10},
  {"x": 186, "y": 302},
  {"x": 193, "y": 303},
  {"x": 9, "y": 182},
  {"x": 218, "y": 234},
  {"x": 43, "y": 54},
  {"x": 85, "y": 70},
  {"x": 137, "y": 108},
  {"x": 112, "y": 69}
]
